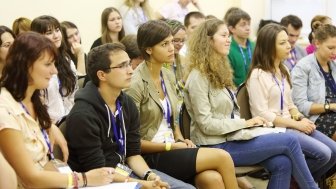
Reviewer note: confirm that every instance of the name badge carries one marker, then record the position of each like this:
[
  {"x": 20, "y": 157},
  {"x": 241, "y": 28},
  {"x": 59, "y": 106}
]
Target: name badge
[
  {"x": 61, "y": 166},
  {"x": 123, "y": 170}
]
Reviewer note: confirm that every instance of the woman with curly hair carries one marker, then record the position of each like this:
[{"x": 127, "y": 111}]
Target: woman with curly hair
[
  {"x": 162, "y": 144},
  {"x": 212, "y": 107}
]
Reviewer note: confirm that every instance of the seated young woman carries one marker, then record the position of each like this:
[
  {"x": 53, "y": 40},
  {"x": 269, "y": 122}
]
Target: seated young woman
[
  {"x": 210, "y": 101},
  {"x": 26, "y": 130},
  {"x": 163, "y": 147},
  {"x": 269, "y": 87}
]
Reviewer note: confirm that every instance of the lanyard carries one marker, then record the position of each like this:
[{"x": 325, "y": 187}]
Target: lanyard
[
  {"x": 233, "y": 101},
  {"x": 248, "y": 46},
  {"x": 45, "y": 135},
  {"x": 60, "y": 87},
  {"x": 292, "y": 60},
  {"x": 282, "y": 91},
  {"x": 330, "y": 82},
  {"x": 118, "y": 135},
  {"x": 166, "y": 114}
]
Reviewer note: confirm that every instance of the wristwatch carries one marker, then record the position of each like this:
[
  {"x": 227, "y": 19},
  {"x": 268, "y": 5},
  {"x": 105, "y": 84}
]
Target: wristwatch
[{"x": 327, "y": 106}]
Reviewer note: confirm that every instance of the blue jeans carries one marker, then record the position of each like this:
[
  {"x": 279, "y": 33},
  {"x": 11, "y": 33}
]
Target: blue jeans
[
  {"x": 279, "y": 153},
  {"x": 319, "y": 151}
]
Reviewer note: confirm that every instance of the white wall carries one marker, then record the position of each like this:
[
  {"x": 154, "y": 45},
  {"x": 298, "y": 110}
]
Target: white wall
[{"x": 86, "y": 13}]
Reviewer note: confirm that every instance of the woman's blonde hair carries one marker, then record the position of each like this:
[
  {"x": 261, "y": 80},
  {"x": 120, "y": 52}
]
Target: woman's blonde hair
[
  {"x": 203, "y": 57},
  {"x": 145, "y": 7}
]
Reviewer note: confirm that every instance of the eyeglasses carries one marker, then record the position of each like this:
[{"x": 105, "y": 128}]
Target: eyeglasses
[
  {"x": 123, "y": 65},
  {"x": 178, "y": 41}
]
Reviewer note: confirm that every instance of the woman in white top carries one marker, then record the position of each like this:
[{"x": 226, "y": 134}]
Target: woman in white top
[
  {"x": 134, "y": 13},
  {"x": 62, "y": 87}
]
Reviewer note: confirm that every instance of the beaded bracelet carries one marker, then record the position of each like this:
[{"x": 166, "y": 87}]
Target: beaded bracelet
[{"x": 75, "y": 179}]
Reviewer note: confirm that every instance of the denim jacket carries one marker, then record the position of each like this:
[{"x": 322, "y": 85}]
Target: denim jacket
[{"x": 309, "y": 84}]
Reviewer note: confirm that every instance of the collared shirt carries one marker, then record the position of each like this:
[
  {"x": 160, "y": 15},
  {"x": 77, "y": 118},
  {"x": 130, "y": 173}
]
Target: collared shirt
[
  {"x": 237, "y": 61},
  {"x": 309, "y": 84},
  {"x": 210, "y": 111},
  {"x": 13, "y": 116},
  {"x": 265, "y": 96},
  {"x": 147, "y": 100},
  {"x": 297, "y": 53}
]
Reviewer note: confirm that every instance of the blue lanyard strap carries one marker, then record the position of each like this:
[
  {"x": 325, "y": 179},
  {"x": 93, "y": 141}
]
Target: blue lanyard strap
[
  {"x": 119, "y": 135},
  {"x": 45, "y": 135},
  {"x": 330, "y": 82},
  {"x": 292, "y": 59},
  {"x": 248, "y": 46},
  {"x": 60, "y": 87},
  {"x": 233, "y": 101},
  {"x": 282, "y": 90},
  {"x": 46, "y": 138},
  {"x": 166, "y": 114}
]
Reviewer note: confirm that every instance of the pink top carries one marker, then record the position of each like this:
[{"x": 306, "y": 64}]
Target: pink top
[
  {"x": 310, "y": 49},
  {"x": 265, "y": 95}
]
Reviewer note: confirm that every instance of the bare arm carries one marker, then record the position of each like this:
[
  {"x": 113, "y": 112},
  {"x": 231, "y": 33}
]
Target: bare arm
[
  {"x": 78, "y": 50},
  {"x": 7, "y": 175},
  {"x": 30, "y": 176}
]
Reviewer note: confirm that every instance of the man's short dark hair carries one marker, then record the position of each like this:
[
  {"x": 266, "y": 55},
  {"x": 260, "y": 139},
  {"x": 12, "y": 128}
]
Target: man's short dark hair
[
  {"x": 236, "y": 15},
  {"x": 99, "y": 59},
  {"x": 193, "y": 14},
  {"x": 293, "y": 20}
]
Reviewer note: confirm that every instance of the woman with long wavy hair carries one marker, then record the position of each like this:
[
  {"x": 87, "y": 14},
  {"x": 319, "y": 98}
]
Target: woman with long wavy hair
[
  {"x": 62, "y": 87},
  {"x": 210, "y": 101},
  {"x": 26, "y": 131},
  {"x": 270, "y": 96}
]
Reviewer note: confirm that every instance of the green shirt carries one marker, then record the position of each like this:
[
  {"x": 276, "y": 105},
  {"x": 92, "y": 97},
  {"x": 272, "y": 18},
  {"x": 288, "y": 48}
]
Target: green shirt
[{"x": 237, "y": 60}]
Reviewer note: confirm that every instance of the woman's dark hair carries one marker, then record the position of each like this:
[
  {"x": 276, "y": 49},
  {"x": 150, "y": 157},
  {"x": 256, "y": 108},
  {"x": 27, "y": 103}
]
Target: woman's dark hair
[
  {"x": 26, "y": 49},
  {"x": 4, "y": 29},
  {"x": 150, "y": 34},
  {"x": 131, "y": 45},
  {"x": 104, "y": 26},
  {"x": 264, "y": 53},
  {"x": 67, "y": 77},
  {"x": 64, "y": 26}
]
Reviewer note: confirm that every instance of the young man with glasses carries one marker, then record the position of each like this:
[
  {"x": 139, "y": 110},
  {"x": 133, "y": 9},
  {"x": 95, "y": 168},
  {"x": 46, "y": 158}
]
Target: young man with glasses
[{"x": 103, "y": 126}]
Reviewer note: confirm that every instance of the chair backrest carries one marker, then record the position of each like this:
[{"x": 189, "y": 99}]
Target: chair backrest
[
  {"x": 80, "y": 81},
  {"x": 243, "y": 102},
  {"x": 57, "y": 150},
  {"x": 184, "y": 121}
]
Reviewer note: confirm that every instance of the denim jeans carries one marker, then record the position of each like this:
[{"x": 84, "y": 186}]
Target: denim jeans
[
  {"x": 280, "y": 153},
  {"x": 319, "y": 151}
]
